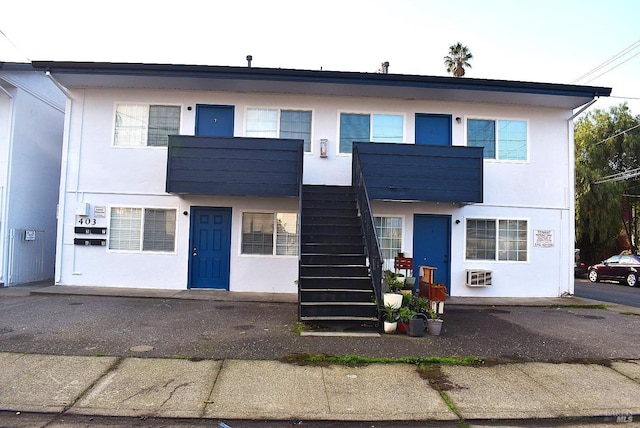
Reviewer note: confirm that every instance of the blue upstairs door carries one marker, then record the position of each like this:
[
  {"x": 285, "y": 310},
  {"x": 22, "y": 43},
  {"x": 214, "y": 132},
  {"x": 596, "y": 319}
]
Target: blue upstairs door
[
  {"x": 432, "y": 245},
  {"x": 214, "y": 120},
  {"x": 210, "y": 247},
  {"x": 433, "y": 129}
]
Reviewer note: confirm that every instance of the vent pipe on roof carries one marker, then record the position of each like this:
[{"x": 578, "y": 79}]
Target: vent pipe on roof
[
  {"x": 384, "y": 67},
  {"x": 249, "y": 58}
]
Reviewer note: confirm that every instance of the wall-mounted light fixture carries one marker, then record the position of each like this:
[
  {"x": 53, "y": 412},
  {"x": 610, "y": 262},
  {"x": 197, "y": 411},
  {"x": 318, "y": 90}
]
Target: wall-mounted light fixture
[
  {"x": 457, "y": 221},
  {"x": 458, "y": 119},
  {"x": 323, "y": 148}
]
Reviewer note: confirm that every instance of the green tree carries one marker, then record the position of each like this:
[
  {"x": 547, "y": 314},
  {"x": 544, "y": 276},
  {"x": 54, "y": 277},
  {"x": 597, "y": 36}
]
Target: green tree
[
  {"x": 607, "y": 148},
  {"x": 458, "y": 59}
]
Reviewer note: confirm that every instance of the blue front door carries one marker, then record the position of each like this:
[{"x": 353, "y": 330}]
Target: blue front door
[
  {"x": 432, "y": 245},
  {"x": 210, "y": 248},
  {"x": 433, "y": 129},
  {"x": 214, "y": 121}
]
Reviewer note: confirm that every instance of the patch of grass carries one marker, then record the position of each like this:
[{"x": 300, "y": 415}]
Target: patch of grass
[
  {"x": 461, "y": 422},
  {"x": 299, "y": 328},
  {"x": 599, "y": 306},
  {"x": 630, "y": 313},
  {"x": 440, "y": 382},
  {"x": 356, "y": 360}
]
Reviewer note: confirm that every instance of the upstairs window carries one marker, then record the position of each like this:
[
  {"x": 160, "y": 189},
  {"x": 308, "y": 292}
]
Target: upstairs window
[
  {"x": 501, "y": 139},
  {"x": 139, "y": 125},
  {"x": 142, "y": 229},
  {"x": 378, "y": 128},
  {"x": 273, "y": 123}
]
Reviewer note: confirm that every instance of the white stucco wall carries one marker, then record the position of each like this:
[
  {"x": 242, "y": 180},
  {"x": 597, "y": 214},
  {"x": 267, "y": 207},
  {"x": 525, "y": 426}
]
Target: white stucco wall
[
  {"x": 97, "y": 265},
  {"x": 6, "y": 119},
  {"x": 546, "y": 273},
  {"x": 98, "y": 173},
  {"x": 31, "y": 129}
]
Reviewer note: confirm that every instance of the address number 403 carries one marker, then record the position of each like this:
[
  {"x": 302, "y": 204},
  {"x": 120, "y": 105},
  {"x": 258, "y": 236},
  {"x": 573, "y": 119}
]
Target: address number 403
[{"x": 87, "y": 221}]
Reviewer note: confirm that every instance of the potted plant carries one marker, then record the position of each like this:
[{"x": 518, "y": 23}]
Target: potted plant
[
  {"x": 434, "y": 323},
  {"x": 392, "y": 285},
  {"x": 390, "y": 314},
  {"x": 404, "y": 315},
  {"x": 409, "y": 283},
  {"x": 421, "y": 305}
]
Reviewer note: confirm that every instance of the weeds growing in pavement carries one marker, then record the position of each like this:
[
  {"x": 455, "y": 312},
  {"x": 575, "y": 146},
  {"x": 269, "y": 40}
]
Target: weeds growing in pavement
[
  {"x": 356, "y": 360},
  {"x": 598, "y": 306}
]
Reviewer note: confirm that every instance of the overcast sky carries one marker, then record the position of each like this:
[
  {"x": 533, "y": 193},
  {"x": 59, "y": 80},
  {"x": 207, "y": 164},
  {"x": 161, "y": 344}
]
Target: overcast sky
[{"x": 527, "y": 40}]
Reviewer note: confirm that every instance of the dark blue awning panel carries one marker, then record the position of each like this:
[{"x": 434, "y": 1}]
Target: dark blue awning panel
[
  {"x": 410, "y": 172},
  {"x": 234, "y": 166}
]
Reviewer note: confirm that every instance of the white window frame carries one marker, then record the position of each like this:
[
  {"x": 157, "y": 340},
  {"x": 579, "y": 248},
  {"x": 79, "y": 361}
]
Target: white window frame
[
  {"x": 278, "y": 119},
  {"x": 370, "y": 114},
  {"x": 140, "y": 249},
  {"x": 146, "y": 132},
  {"x": 388, "y": 263},
  {"x": 274, "y": 251},
  {"x": 497, "y": 143},
  {"x": 497, "y": 221}
]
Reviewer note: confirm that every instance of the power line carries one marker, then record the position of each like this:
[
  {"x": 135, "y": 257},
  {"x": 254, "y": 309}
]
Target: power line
[
  {"x": 619, "y": 176},
  {"x": 617, "y": 56},
  {"x": 619, "y": 133},
  {"x": 625, "y": 98},
  {"x": 613, "y": 68},
  {"x": 13, "y": 44}
]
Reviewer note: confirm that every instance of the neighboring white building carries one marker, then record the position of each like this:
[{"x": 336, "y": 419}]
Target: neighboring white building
[
  {"x": 31, "y": 128},
  {"x": 130, "y": 207}
]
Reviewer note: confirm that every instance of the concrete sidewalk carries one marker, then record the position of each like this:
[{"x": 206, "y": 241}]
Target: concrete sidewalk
[
  {"x": 235, "y": 388},
  {"x": 272, "y": 390}
]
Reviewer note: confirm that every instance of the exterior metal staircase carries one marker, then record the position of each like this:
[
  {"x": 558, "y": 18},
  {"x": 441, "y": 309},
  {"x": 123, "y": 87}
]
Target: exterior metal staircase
[{"x": 334, "y": 284}]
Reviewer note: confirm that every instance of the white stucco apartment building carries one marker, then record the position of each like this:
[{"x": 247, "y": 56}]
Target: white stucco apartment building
[
  {"x": 462, "y": 174},
  {"x": 31, "y": 127}
]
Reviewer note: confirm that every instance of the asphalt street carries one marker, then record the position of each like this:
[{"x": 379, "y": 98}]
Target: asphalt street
[
  {"x": 608, "y": 291},
  {"x": 205, "y": 329},
  {"x": 46, "y": 332}
]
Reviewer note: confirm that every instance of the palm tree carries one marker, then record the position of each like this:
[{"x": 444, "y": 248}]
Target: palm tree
[{"x": 457, "y": 59}]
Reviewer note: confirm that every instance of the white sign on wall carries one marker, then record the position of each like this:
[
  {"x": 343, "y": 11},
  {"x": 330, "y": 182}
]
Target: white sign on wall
[{"x": 543, "y": 238}]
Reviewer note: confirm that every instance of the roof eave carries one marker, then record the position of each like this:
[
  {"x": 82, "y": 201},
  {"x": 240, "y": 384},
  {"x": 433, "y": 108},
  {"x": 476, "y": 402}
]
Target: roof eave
[{"x": 158, "y": 76}]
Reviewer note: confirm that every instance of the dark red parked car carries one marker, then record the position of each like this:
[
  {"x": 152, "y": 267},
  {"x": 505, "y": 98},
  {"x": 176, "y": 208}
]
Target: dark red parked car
[{"x": 623, "y": 268}]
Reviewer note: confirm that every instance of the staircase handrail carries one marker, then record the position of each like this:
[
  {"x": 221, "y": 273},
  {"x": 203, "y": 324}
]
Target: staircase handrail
[
  {"x": 369, "y": 230},
  {"x": 299, "y": 226}
]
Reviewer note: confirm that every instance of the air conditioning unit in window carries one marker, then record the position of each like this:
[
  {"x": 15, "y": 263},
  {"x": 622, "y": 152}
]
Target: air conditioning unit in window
[{"x": 478, "y": 278}]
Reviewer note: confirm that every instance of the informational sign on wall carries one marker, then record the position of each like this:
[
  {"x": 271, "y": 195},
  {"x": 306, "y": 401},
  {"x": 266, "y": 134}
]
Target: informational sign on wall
[
  {"x": 543, "y": 238},
  {"x": 99, "y": 212}
]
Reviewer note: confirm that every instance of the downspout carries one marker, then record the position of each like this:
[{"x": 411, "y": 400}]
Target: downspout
[
  {"x": 4, "y": 279},
  {"x": 58, "y": 84},
  {"x": 586, "y": 106},
  {"x": 6, "y": 92},
  {"x": 64, "y": 172},
  {"x": 572, "y": 194}
]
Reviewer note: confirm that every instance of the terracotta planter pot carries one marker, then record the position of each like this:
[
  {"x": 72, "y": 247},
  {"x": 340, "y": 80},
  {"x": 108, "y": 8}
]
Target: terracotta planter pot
[{"x": 403, "y": 327}]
